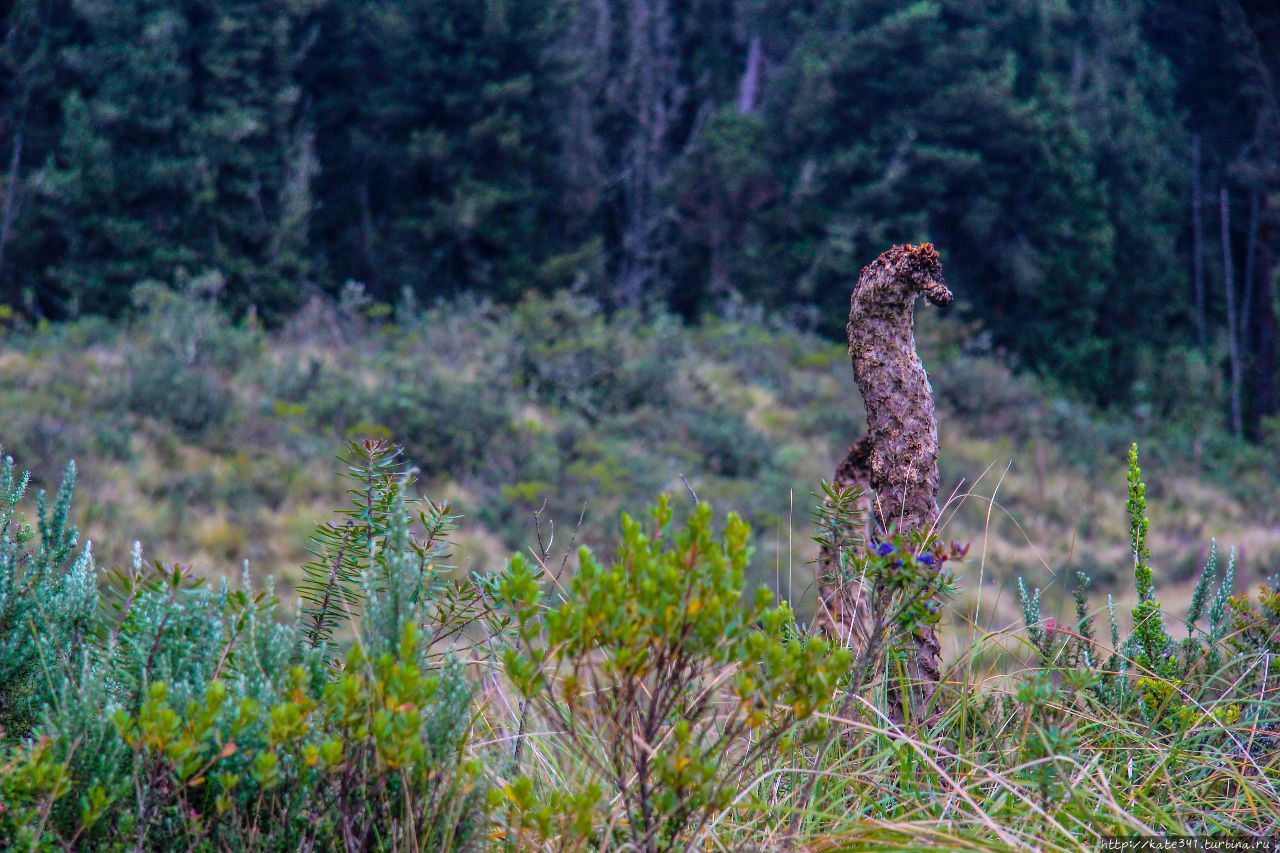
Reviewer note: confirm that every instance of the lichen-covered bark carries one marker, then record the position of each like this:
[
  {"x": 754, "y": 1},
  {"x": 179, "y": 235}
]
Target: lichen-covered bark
[
  {"x": 901, "y": 425},
  {"x": 840, "y": 607}
]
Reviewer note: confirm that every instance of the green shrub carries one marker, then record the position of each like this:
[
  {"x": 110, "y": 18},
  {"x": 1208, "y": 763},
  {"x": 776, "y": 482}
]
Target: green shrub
[
  {"x": 47, "y": 595},
  {"x": 167, "y": 388},
  {"x": 446, "y": 425},
  {"x": 650, "y": 702},
  {"x": 662, "y": 681},
  {"x": 369, "y": 537},
  {"x": 1166, "y": 684},
  {"x": 572, "y": 355},
  {"x": 174, "y": 715},
  {"x": 182, "y": 352}
]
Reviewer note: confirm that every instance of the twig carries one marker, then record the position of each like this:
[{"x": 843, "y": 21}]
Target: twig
[{"x": 690, "y": 488}]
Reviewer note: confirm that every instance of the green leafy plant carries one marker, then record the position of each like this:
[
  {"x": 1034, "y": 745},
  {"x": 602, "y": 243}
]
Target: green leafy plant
[
  {"x": 1163, "y": 677},
  {"x": 179, "y": 715},
  {"x": 1152, "y": 642},
  {"x": 660, "y": 702},
  {"x": 663, "y": 681},
  {"x": 182, "y": 349},
  {"x": 893, "y": 585}
]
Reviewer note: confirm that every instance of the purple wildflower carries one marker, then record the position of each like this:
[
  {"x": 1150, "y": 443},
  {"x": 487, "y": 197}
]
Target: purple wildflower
[{"x": 884, "y": 549}]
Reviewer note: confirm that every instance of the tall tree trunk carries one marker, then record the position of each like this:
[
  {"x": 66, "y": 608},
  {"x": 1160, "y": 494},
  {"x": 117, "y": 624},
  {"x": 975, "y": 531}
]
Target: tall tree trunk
[
  {"x": 1197, "y": 243},
  {"x": 749, "y": 87},
  {"x": 1233, "y": 320},
  {"x": 9, "y": 212},
  {"x": 1266, "y": 395}
]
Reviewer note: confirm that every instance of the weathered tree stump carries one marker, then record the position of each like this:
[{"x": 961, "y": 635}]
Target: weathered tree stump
[{"x": 899, "y": 455}]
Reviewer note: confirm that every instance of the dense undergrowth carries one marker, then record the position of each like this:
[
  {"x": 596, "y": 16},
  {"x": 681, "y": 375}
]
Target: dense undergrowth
[
  {"x": 212, "y": 441},
  {"x": 649, "y": 700},
  {"x": 410, "y": 686}
]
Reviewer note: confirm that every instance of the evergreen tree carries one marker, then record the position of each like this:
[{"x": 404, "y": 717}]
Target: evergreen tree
[
  {"x": 436, "y": 123},
  {"x": 183, "y": 147},
  {"x": 33, "y": 33},
  {"x": 1224, "y": 56},
  {"x": 685, "y": 152},
  {"x": 958, "y": 123}
]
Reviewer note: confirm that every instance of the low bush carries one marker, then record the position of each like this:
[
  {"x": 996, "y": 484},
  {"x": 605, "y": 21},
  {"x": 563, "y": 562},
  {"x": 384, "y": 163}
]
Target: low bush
[
  {"x": 650, "y": 702},
  {"x": 181, "y": 354},
  {"x": 162, "y": 714},
  {"x": 668, "y": 689}
]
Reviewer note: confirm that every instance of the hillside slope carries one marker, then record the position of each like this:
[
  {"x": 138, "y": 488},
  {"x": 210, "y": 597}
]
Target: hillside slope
[{"x": 214, "y": 443}]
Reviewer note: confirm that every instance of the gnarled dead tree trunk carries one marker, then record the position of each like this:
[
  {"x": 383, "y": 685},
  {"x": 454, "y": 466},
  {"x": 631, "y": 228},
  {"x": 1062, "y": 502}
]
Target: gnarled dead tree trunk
[{"x": 899, "y": 455}]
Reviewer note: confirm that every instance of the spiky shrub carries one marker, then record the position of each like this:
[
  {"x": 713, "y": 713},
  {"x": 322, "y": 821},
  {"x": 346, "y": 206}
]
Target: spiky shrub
[
  {"x": 664, "y": 682},
  {"x": 1166, "y": 684},
  {"x": 1255, "y": 637},
  {"x": 191, "y": 717},
  {"x": 1155, "y": 660},
  {"x": 1257, "y": 623},
  {"x": 360, "y": 542},
  {"x": 46, "y": 594}
]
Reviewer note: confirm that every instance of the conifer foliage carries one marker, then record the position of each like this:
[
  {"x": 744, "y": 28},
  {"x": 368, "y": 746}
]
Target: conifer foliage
[
  {"x": 164, "y": 713},
  {"x": 47, "y": 594},
  {"x": 359, "y": 544},
  {"x": 653, "y": 150}
]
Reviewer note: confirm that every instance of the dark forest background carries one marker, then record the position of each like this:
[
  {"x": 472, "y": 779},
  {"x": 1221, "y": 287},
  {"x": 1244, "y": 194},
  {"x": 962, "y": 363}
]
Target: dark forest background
[{"x": 1100, "y": 175}]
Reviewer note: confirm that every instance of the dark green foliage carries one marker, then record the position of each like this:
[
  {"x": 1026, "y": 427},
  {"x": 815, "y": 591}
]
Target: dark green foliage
[
  {"x": 183, "y": 145},
  {"x": 437, "y": 130},
  {"x": 649, "y": 150}
]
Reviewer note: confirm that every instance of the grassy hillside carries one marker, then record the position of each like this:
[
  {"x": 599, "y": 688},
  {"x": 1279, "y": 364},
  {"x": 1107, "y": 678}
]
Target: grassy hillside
[
  {"x": 652, "y": 697},
  {"x": 213, "y": 442}
]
